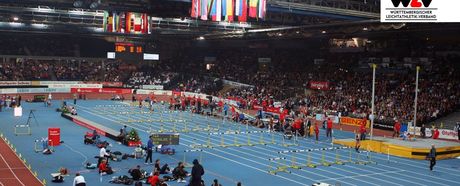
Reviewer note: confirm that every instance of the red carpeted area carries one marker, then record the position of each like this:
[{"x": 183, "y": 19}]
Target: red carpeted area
[{"x": 13, "y": 172}]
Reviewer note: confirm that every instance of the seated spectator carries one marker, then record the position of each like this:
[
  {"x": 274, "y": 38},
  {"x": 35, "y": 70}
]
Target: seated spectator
[
  {"x": 154, "y": 180},
  {"x": 179, "y": 173},
  {"x": 163, "y": 170},
  {"x": 216, "y": 183},
  {"x": 104, "y": 168},
  {"x": 136, "y": 173},
  {"x": 139, "y": 152}
]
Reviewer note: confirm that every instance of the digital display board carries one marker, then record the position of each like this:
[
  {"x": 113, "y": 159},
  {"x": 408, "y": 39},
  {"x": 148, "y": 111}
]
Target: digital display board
[
  {"x": 129, "y": 52},
  {"x": 165, "y": 139}
]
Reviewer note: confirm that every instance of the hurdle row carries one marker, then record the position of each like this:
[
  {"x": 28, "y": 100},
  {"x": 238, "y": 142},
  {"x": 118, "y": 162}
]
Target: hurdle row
[
  {"x": 239, "y": 132},
  {"x": 311, "y": 150},
  {"x": 236, "y": 142},
  {"x": 140, "y": 112},
  {"x": 23, "y": 159},
  {"x": 185, "y": 129},
  {"x": 155, "y": 120},
  {"x": 285, "y": 164}
]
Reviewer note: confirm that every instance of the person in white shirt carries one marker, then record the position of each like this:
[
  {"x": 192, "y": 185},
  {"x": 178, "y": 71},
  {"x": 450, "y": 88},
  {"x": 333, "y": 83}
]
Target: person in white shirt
[
  {"x": 79, "y": 180},
  {"x": 102, "y": 155}
]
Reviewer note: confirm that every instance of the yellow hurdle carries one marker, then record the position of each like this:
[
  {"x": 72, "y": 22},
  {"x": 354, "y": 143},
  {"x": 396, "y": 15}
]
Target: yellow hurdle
[
  {"x": 323, "y": 160},
  {"x": 309, "y": 163}
]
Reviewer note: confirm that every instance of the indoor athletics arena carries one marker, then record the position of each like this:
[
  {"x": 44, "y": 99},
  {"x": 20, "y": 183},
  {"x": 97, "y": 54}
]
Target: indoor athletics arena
[{"x": 229, "y": 92}]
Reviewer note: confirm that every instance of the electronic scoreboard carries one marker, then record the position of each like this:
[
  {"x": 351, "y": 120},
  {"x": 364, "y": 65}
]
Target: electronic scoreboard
[{"x": 131, "y": 52}]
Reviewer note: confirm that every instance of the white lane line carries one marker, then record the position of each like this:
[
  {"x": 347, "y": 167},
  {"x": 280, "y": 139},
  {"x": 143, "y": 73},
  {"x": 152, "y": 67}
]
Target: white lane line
[
  {"x": 78, "y": 152},
  {"x": 413, "y": 172},
  {"x": 9, "y": 167},
  {"x": 256, "y": 162},
  {"x": 14, "y": 168},
  {"x": 199, "y": 135},
  {"x": 355, "y": 176},
  {"x": 320, "y": 175},
  {"x": 294, "y": 181},
  {"x": 334, "y": 167},
  {"x": 422, "y": 165}
]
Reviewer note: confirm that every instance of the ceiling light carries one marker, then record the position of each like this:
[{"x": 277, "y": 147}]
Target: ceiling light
[
  {"x": 93, "y": 5},
  {"x": 78, "y": 4},
  {"x": 15, "y": 18}
]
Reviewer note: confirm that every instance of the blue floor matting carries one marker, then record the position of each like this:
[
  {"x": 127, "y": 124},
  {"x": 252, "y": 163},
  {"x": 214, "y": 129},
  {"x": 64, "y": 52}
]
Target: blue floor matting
[{"x": 247, "y": 164}]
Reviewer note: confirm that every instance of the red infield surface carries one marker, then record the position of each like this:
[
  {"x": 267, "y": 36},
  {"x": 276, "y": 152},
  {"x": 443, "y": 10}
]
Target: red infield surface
[{"x": 13, "y": 172}]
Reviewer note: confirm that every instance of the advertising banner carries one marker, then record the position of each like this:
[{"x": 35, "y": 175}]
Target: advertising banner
[
  {"x": 75, "y": 86},
  {"x": 106, "y": 83},
  {"x": 155, "y": 92},
  {"x": 58, "y": 82},
  {"x": 15, "y": 83},
  {"x": 319, "y": 85},
  {"x": 236, "y": 84},
  {"x": 33, "y": 90},
  {"x": 101, "y": 90},
  {"x": 351, "y": 121},
  {"x": 54, "y": 136},
  {"x": 426, "y": 11},
  {"x": 152, "y": 87}
]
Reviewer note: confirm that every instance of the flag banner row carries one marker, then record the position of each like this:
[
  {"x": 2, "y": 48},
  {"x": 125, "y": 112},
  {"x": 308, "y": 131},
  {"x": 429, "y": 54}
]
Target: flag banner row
[
  {"x": 228, "y": 10},
  {"x": 126, "y": 22}
]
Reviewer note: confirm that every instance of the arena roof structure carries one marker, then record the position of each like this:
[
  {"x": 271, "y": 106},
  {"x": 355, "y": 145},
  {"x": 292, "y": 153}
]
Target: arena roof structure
[{"x": 172, "y": 17}]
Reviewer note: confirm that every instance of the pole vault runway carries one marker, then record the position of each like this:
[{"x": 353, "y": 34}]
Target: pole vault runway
[{"x": 13, "y": 172}]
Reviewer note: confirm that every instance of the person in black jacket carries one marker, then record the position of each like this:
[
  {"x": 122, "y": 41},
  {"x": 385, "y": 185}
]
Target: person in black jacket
[
  {"x": 458, "y": 129},
  {"x": 197, "y": 172},
  {"x": 423, "y": 131},
  {"x": 432, "y": 157},
  {"x": 136, "y": 173}
]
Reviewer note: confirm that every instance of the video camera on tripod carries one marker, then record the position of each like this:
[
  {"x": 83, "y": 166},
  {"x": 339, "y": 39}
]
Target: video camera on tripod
[{"x": 32, "y": 115}]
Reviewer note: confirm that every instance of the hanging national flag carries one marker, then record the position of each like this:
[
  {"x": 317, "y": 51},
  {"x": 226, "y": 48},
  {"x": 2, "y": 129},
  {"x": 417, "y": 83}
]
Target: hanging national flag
[
  {"x": 253, "y": 8},
  {"x": 137, "y": 23},
  {"x": 204, "y": 9},
  {"x": 242, "y": 8},
  {"x": 230, "y": 10},
  {"x": 237, "y": 7},
  {"x": 194, "y": 11},
  {"x": 218, "y": 10},
  {"x": 128, "y": 22},
  {"x": 244, "y": 11},
  {"x": 213, "y": 10},
  {"x": 105, "y": 21},
  {"x": 264, "y": 10},
  {"x": 224, "y": 8},
  {"x": 260, "y": 8}
]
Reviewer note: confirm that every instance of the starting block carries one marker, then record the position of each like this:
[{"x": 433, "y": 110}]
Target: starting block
[{"x": 22, "y": 130}]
